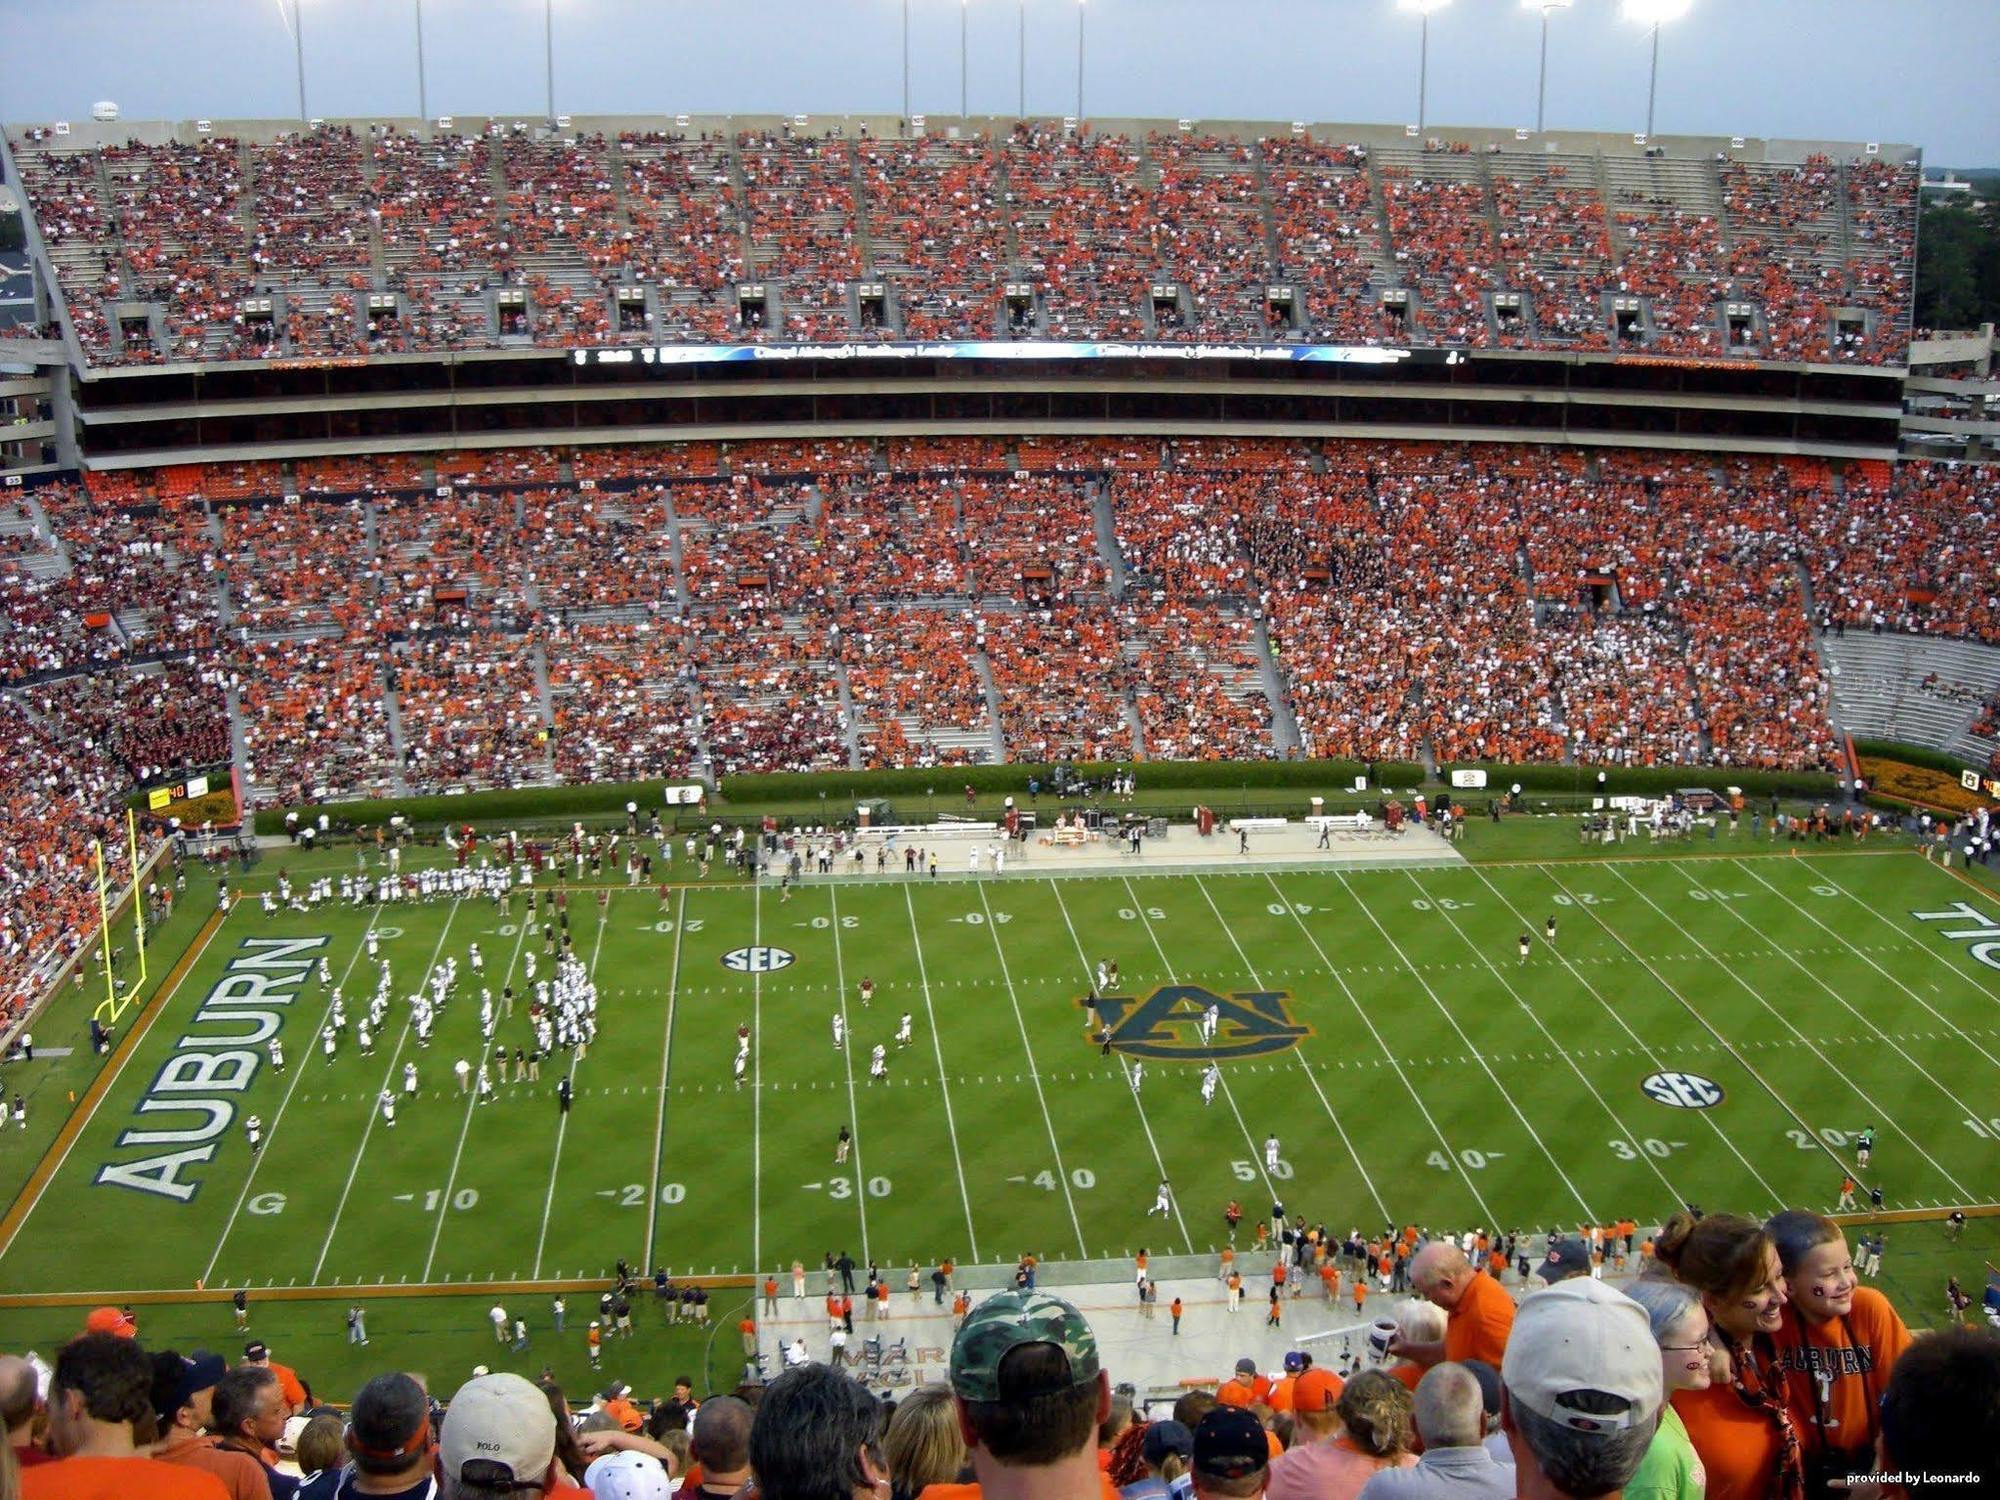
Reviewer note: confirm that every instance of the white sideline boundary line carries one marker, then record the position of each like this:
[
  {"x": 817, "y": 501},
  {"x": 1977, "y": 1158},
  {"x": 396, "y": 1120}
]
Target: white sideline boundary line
[
  {"x": 1457, "y": 1162},
  {"x": 1841, "y": 937},
  {"x": 1630, "y": 1136},
  {"x": 666, "y": 1055},
  {"x": 1256, "y": 1151},
  {"x": 847, "y": 1070},
  {"x": 944, "y": 1083},
  {"x": 1034, "y": 1073},
  {"x": 562, "y": 1125},
  {"x": 471, "y": 1103},
  {"x": 1486, "y": 1067},
  {"x": 1258, "y": 980},
  {"x": 1957, "y": 1186},
  {"x": 1645, "y": 1049},
  {"x": 1137, "y": 1103},
  {"x": 112, "y": 1082},
  {"x": 303, "y": 1062},
  {"x": 368, "y": 1128}
]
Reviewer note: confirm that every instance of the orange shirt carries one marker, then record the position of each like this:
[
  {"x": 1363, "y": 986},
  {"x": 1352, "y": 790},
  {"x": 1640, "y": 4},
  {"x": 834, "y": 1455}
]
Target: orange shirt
[
  {"x": 1360, "y": 1292},
  {"x": 289, "y": 1383},
  {"x": 1233, "y": 1392},
  {"x": 118, "y": 1479},
  {"x": 1737, "y": 1444},
  {"x": 1478, "y": 1327},
  {"x": 1859, "y": 1351},
  {"x": 1281, "y": 1393}
]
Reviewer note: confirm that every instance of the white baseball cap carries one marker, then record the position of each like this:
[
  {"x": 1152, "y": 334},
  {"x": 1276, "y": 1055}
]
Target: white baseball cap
[
  {"x": 1580, "y": 1335},
  {"x": 503, "y": 1419},
  {"x": 625, "y": 1475}
]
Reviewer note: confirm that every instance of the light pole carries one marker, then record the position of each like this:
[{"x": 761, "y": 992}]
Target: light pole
[
  {"x": 1654, "y": 14},
  {"x": 423, "y": 101},
  {"x": 549, "y": 53},
  {"x": 1423, "y": 8},
  {"x": 1079, "y": 64},
  {"x": 906, "y": 64},
  {"x": 1024, "y": 60},
  {"x": 299, "y": 55},
  {"x": 1542, "y": 78},
  {"x": 964, "y": 9}
]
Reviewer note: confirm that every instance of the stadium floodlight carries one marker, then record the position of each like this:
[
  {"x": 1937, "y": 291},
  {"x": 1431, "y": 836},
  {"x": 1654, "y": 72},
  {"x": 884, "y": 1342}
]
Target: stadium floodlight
[
  {"x": 1423, "y": 8},
  {"x": 1024, "y": 60},
  {"x": 1655, "y": 14},
  {"x": 906, "y": 64},
  {"x": 964, "y": 11},
  {"x": 1542, "y": 77}
]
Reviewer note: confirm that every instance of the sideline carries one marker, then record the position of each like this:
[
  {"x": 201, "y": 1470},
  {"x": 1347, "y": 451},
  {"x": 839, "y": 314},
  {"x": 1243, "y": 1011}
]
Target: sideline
[{"x": 86, "y": 1107}]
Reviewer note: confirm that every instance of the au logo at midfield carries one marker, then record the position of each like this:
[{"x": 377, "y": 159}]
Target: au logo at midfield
[{"x": 1167, "y": 1024}]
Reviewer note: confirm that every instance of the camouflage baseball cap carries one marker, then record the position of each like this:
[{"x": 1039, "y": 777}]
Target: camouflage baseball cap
[{"x": 1013, "y": 1320}]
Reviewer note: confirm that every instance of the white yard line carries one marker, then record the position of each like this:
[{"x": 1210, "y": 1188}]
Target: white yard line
[
  {"x": 368, "y": 1128},
  {"x": 1939, "y": 955},
  {"x": 756, "y": 1076},
  {"x": 1625, "y": 1132},
  {"x": 847, "y": 1070},
  {"x": 1831, "y": 1071},
  {"x": 1256, "y": 1150},
  {"x": 1660, "y": 1065},
  {"x": 1258, "y": 980},
  {"x": 1932, "y": 1078},
  {"x": 666, "y": 1055},
  {"x": 301, "y": 1058},
  {"x": 944, "y": 1084},
  {"x": 1137, "y": 1103},
  {"x": 1034, "y": 1070},
  {"x": 472, "y": 1102},
  {"x": 1472, "y": 1048},
  {"x": 112, "y": 1082},
  {"x": 562, "y": 1125},
  {"x": 1908, "y": 940},
  {"x": 1416, "y": 1098}
]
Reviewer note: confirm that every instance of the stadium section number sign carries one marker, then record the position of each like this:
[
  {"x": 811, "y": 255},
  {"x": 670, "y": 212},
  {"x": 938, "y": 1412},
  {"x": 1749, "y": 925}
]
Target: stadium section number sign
[
  {"x": 757, "y": 960},
  {"x": 1682, "y": 1090}
]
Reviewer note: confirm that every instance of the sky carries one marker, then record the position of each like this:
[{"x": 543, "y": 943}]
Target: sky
[{"x": 1899, "y": 71}]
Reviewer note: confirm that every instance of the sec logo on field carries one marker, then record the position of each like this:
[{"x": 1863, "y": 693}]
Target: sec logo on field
[
  {"x": 1682, "y": 1090},
  {"x": 757, "y": 960}
]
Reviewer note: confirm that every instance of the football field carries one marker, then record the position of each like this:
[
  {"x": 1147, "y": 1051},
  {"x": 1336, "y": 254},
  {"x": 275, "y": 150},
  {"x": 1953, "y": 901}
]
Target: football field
[{"x": 1715, "y": 1030}]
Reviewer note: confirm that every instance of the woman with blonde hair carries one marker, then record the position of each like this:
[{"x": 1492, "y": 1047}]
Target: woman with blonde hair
[
  {"x": 923, "y": 1445},
  {"x": 1740, "y": 1426},
  {"x": 1836, "y": 1344},
  {"x": 1418, "y": 1321}
]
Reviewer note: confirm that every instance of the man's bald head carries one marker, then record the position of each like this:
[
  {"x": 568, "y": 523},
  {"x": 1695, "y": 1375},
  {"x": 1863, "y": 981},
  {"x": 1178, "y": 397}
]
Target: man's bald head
[
  {"x": 720, "y": 1439},
  {"x": 1450, "y": 1409},
  {"x": 20, "y": 1393},
  {"x": 1440, "y": 1273}
]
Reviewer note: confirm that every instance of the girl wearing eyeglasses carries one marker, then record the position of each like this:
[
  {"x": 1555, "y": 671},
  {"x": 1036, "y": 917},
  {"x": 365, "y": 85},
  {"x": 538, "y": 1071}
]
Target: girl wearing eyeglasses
[
  {"x": 1671, "y": 1469},
  {"x": 1836, "y": 1342}
]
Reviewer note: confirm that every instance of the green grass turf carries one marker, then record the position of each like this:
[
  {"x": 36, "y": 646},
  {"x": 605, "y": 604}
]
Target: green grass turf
[{"x": 1444, "y": 1081}]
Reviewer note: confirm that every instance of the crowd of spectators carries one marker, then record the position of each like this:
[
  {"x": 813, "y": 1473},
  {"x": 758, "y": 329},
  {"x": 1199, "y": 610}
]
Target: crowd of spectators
[
  {"x": 1463, "y": 601},
  {"x": 1724, "y": 1356},
  {"x": 1092, "y": 221}
]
